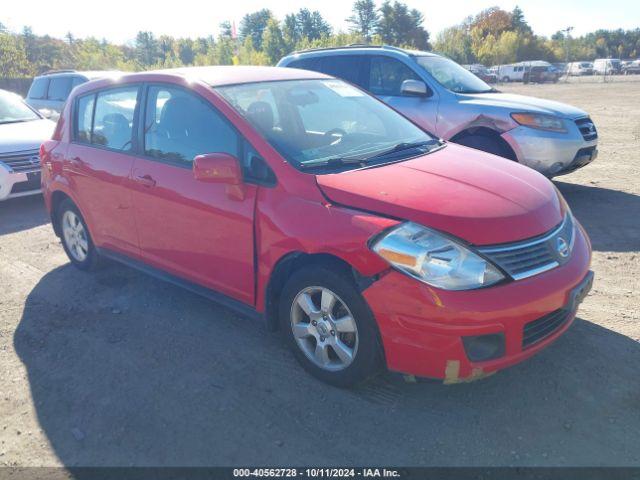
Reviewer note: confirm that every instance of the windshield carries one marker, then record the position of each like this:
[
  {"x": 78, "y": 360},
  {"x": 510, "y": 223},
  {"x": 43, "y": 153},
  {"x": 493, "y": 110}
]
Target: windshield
[
  {"x": 313, "y": 122},
  {"x": 13, "y": 109},
  {"x": 451, "y": 75}
]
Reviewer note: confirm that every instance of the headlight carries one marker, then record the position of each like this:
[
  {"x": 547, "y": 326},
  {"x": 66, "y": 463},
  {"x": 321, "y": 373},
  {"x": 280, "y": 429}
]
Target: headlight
[
  {"x": 540, "y": 121},
  {"x": 435, "y": 259}
]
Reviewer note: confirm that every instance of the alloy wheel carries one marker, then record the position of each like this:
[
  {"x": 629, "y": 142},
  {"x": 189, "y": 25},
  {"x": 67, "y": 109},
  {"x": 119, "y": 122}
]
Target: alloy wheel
[
  {"x": 324, "y": 328},
  {"x": 75, "y": 236}
]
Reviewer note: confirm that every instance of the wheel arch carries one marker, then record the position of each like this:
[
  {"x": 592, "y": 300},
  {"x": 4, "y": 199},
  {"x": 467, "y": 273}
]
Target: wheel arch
[
  {"x": 294, "y": 261},
  {"x": 485, "y": 131},
  {"x": 57, "y": 197}
]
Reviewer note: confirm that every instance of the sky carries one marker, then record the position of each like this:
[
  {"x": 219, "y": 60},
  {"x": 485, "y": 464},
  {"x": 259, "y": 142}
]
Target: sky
[{"x": 119, "y": 20}]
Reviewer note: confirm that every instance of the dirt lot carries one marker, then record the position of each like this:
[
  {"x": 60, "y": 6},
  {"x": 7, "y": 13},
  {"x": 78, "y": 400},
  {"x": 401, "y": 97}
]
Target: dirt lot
[{"x": 116, "y": 368}]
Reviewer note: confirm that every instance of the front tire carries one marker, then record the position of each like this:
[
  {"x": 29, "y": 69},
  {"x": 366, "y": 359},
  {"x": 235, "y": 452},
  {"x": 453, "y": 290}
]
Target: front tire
[
  {"x": 76, "y": 240},
  {"x": 329, "y": 327}
]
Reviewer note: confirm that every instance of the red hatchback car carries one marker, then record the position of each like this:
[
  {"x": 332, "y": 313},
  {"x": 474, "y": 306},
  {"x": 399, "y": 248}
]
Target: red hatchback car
[{"x": 298, "y": 198}]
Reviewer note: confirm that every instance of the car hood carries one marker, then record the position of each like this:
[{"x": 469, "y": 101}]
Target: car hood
[
  {"x": 520, "y": 103},
  {"x": 18, "y": 137},
  {"x": 481, "y": 198}
]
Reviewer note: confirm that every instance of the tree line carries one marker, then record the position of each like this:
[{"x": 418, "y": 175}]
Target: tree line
[
  {"x": 492, "y": 36},
  {"x": 495, "y": 36}
]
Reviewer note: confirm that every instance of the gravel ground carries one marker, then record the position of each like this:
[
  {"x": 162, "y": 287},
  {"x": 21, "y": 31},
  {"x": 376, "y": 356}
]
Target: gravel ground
[{"x": 117, "y": 368}]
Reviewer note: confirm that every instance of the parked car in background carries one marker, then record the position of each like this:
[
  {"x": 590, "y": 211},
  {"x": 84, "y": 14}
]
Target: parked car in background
[
  {"x": 49, "y": 91},
  {"x": 452, "y": 103},
  {"x": 482, "y": 72},
  {"x": 607, "y": 66},
  {"x": 631, "y": 67},
  {"x": 22, "y": 131},
  {"x": 541, "y": 72},
  {"x": 580, "y": 69},
  {"x": 535, "y": 71},
  {"x": 299, "y": 199},
  {"x": 561, "y": 68}
]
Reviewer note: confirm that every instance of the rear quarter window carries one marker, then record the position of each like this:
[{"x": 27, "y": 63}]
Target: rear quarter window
[
  {"x": 84, "y": 118},
  {"x": 38, "y": 88}
]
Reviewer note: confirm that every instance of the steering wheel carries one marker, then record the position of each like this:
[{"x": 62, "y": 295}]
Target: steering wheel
[{"x": 335, "y": 132}]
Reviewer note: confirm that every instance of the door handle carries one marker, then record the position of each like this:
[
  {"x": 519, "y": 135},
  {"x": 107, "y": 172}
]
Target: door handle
[
  {"x": 76, "y": 161},
  {"x": 146, "y": 180}
]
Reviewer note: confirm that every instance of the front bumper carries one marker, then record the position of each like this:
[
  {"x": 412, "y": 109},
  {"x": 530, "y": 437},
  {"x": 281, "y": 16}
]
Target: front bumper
[
  {"x": 551, "y": 153},
  {"x": 18, "y": 184},
  {"x": 422, "y": 327}
]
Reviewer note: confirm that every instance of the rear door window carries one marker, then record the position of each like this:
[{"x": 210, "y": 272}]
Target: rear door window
[
  {"x": 347, "y": 67},
  {"x": 113, "y": 118},
  {"x": 386, "y": 75},
  {"x": 38, "y": 88},
  {"x": 59, "y": 88},
  {"x": 306, "y": 64}
]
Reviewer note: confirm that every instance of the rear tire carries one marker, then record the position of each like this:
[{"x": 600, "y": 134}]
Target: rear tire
[
  {"x": 336, "y": 335},
  {"x": 76, "y": 240}
]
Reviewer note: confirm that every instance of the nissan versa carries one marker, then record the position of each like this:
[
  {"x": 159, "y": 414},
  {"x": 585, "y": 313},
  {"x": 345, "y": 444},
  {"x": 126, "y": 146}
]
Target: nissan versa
[
  {"x": 451, "y": 102},
  {"x": 295, "y": 197}
]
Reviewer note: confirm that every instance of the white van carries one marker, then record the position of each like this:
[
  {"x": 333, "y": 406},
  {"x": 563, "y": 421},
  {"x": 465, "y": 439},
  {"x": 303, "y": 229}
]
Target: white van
[
  {"x": 607, "y": 66},
  {"x": 511, "y": 73},
  {"x": 580, "y": 68}
]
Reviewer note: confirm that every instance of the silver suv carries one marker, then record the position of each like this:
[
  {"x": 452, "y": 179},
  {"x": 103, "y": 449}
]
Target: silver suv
[
  {"x": 451, "y": 102},
  {"x": 49, "y": 91}
]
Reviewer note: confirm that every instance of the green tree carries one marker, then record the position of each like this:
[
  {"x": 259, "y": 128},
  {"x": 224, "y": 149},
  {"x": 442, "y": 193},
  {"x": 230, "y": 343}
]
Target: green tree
[
  {"x": 13, "y": 58},
  {"x": 273, "y": 44},
  {"x": 249, "y": 55},
  {"x": 253, "y": 25},
  {"x": 226, "y": 30},
  {"x": 518, "y": 23},
  {"x": 186, "y": 51},
  {"x": 291, "y": 31},
  {"x": 398, "y": 25},
  {"x": 364, "y": 18},
  {"x": 455, "y": 43},
  {"x": 147, "y": 49},
  {"x": 311, "y": 25}
]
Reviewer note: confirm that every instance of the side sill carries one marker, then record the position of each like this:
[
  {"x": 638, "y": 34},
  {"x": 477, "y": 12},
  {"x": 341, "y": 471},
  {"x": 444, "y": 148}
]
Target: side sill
[{"x": 217, "y": 297}]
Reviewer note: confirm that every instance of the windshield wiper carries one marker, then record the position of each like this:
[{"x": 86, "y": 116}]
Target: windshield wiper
[
  {"x": 400, "y": 147},
  {"x": 5, "y": 122},
  {"x": 334, "y": 162}
]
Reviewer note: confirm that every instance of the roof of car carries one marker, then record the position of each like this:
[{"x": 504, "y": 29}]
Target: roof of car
[
  {"x": 220, "y": 75},
  {"x": 88, "y": 74},
  {"x": 359, "y": 49}
]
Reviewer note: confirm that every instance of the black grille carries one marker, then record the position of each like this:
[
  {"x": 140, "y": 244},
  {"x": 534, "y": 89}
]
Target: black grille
[
  {"x": 533, "y": 256},
  {"x": 587, "y": 128},
  {"x": 22, "y": 161},
  {"x": 33, "y": 183},
  {"x": 543, "y": 327}
]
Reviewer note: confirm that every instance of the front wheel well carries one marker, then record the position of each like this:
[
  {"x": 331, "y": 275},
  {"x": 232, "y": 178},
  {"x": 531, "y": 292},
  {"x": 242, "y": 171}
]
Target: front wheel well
[
  {"x": 295, "y": 261},
  {"x": 489, "y": 133}
]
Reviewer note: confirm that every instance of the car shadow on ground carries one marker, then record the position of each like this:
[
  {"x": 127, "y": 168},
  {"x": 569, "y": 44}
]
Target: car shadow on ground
[
  {"x": 127, "y": 370},
  {"x": 609, "y": 216},
  {"x": 22, "y": 213}
]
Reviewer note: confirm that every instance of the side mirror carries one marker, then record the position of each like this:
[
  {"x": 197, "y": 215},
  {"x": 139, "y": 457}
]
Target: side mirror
[
  {"x": 416, "y": 88},
  {"x": 217, "y": 168}
]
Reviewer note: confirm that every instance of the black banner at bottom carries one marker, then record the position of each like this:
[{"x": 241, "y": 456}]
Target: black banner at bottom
[{"x": 347, "y": 473}]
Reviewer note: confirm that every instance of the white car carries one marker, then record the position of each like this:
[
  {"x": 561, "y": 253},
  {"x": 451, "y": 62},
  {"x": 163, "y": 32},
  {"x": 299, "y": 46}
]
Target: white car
[{"x": 22, "y": 131}]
